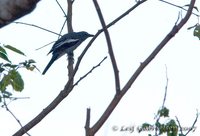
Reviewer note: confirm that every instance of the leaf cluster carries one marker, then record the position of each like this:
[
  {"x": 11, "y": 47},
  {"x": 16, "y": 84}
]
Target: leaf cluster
[
  {"x": 170, "y": 127},
  {"x": 9, "y": 74}
]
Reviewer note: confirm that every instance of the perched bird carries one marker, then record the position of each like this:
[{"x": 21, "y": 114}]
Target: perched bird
[{"x": 66, "y": 44}]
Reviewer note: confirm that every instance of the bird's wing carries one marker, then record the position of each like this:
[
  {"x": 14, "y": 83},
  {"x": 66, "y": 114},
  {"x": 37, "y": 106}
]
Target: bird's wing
[{"x": 67, "y": 43}]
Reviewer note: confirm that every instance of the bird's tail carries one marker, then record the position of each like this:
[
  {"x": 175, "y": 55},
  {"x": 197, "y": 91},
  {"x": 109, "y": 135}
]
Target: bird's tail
[{"x": 49, "y": 64}]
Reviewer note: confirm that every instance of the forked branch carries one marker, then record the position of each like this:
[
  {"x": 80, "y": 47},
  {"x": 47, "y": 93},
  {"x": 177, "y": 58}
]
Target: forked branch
[
  {"x": 118, "y": 96},
  {"x": 110, "y": 49}
]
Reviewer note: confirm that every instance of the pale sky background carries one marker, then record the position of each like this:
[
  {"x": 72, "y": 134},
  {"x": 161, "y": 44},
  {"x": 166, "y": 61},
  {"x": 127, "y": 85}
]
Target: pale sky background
[{"x": 133, "y": 38}]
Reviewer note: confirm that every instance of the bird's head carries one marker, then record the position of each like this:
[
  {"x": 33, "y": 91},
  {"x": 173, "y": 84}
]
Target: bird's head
[{"x": 84, "y": 35}]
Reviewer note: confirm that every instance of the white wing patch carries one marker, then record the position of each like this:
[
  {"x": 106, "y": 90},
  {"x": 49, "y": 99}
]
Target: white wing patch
[
  {"x": 70, "y": 40},
  {"x": 66, "y": 41}
]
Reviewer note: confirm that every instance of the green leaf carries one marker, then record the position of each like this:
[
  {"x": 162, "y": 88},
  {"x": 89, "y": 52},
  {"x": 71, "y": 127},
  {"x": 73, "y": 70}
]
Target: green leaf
[
  {"x": 31, "y": 68},
  {"x": 164, "y": 112},
  {"x": 4, "y": 82},
  {"x": 3, "y": 50},
  {"x": 10, "y": 65},
  {"x": 1, "y": 70},
  {"x": 172, "y": 128},
  {"x": 4, "y": 56},
  {"x": 17, "y": 81},
  {"x": 146, "y": 127},
  {"x": 14, "y": 79},
  {"x": 197, "y": 31},
  {"x": 14, "y": 49},
  {"x": 31, "y": 61}
]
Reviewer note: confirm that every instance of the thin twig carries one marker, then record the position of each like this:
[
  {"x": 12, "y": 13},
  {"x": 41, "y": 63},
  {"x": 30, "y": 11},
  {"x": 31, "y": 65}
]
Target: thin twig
[
  {"x": 164, "y": 99},
  {"x": 125, "y": 13},
  {"x": 166, "y": 86},
  {"x": 36, "y": 27},
  {"x": 45, "y": 45},
  {"x": 181, "y": 7},
  {"x": 179, "y": 124},
  {"x": 61, "y": 8},
  {"x": 65, "y": 17},
  {"x": 195, "y": 121},
  {"x": 63, "y": 26},
  {"x": 58, "y": 36},
  {"x": 81, "y": 78},
  {"x": 109, "y": 44},
  {"x": 15, "y": 98},
  {"x": 18, "y": 121}
]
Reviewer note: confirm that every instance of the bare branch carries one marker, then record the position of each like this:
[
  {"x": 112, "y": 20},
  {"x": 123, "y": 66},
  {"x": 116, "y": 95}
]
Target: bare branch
[
  {"x": 164, "y": 99},
  {"x": 87, "y": 123},
  {"x": 18, "y": 121},
  {"x": 169, "y": 36},
  {"x": 70, "y": 55},
  {"x": 181, "y": 7},
  {"x": 179, "y": 124},
  {"x": 125, "y": 13},
  {"x": 69, "y": 16},
  {"x": 37, "y": 27},
  {"x": 81, "y": 78},
  {"x": 63, "y": 26},
  {"x": 45, "y": 45},
  {"x": 67, "y": 89},
  {"x": 100, "y": 31},
  {"x": 63, "y": 94},
  {"x": 191, "y": 128},
  {"x": 118, "y": 97},
  {"x": 166, "y": 86},
  {"x": 61, "y": 8},
  {"x": 195, "y": 121},
  {"x": 109, "y": 44},
  {"x": 64, "y": 15}
]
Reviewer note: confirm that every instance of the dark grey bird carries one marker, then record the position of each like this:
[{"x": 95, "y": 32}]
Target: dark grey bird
[{"x": 66, "y": 44}]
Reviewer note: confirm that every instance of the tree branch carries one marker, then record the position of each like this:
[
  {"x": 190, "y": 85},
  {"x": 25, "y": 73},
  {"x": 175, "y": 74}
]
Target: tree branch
[
  {"x": 118, "y": 97},
  {"x": 109, "y": 44},
  {"x": 100, "y": 31},
  {"x": 18, "y": 121},
  {"x": 87, "y": 123},
  {"x": 69, "y": 16},
  {"x": 166, "y": 87},
  {"x": 181, "y": 7},
  {"x": 169, "y": 36},
  {"x": 42, "y": 28},
  {"x": 81, "y": 78},
  {"x": 70, "y": 29},
  {"x": 61, "y": 8},
  {"x": 195, "y": 121},
  {"x": 66, "y": 91}
]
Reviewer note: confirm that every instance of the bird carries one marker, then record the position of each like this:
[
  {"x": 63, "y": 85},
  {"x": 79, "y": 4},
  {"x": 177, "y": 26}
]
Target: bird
[{"x": 66, "y": 44}]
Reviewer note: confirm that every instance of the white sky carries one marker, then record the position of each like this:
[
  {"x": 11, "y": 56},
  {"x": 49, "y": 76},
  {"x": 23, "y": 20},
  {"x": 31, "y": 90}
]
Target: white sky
[{"x": 133, "y": 38}]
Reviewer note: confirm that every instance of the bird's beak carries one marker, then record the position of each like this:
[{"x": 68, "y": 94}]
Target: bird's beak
[{"x": 90, "y": 35}]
